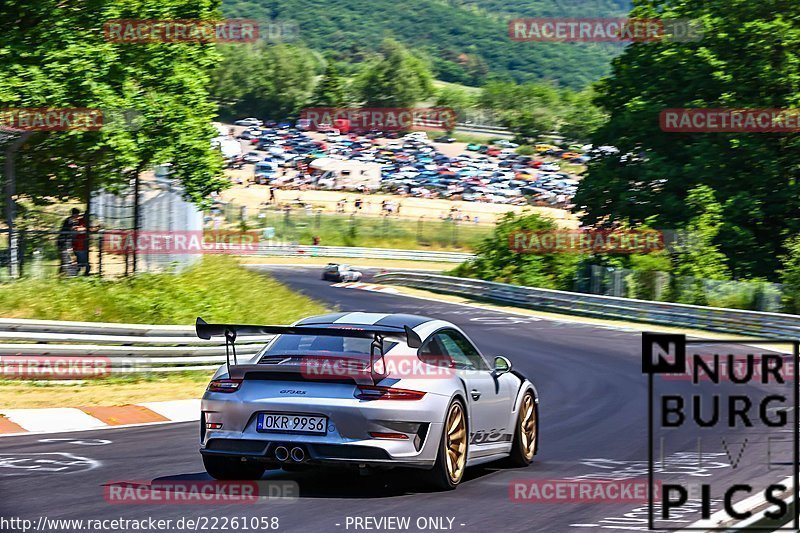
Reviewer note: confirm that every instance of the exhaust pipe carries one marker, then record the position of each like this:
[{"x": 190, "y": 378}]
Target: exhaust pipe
[
  {"x": 281, "y": 453},
  {"x": 298, "y": 455}
]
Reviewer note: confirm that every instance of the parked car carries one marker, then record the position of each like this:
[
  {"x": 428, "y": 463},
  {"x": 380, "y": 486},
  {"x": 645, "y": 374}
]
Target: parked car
[
  {"x": 252, "y": 157},
  {"x": 445, "y": 139},
  {"x": 249, "y": 122},
  {"x": 504, "y": 143}
]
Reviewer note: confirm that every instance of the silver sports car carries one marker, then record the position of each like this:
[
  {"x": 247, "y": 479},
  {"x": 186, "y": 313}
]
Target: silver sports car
[{"x": 366, "y": 390}]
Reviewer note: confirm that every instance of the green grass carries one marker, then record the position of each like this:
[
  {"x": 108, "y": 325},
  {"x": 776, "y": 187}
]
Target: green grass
[
  {"x": 218, "y": 289},
  {"x": 112, "y": 390},
  {"x": 472, "y": 91},
  {"x": 373, "y": 232}
]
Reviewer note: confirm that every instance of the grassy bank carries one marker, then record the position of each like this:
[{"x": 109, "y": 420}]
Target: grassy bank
[
  {"x": 117, "y": 390},
  {"x": 217, "y": 289},
  {"x": 372, "y": 231}
]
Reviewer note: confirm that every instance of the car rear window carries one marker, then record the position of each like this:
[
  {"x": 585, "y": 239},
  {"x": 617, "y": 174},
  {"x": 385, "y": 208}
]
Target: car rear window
[{"x": 322, "y": 345}]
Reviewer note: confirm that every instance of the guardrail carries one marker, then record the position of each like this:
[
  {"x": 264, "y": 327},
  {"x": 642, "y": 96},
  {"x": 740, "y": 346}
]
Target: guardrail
[
  {"x": 29, "y": 347},
  {"x": 353, "y": 252},
  {"x": 752, "y": 323},
  {"x": 488, "y": 130}
]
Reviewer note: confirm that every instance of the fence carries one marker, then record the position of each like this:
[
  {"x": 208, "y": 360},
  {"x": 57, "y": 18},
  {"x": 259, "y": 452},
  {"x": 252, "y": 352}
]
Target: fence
[
  {"x": 302, "y": 224},
  {"x": 362, "y": 253},
  {"x": 122, "y": 348},
  {"x": 754, "y": 323},
  {"x": 39, "y": 255},
  {"x": 662, "y": 286}
]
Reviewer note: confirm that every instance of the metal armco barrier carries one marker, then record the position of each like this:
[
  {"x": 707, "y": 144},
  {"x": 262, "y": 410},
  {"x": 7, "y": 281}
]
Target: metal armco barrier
[
  {"x": 352, "y": 252},
  {"x": 752, "y": 323},
  {"x": 127, "y": 347}
]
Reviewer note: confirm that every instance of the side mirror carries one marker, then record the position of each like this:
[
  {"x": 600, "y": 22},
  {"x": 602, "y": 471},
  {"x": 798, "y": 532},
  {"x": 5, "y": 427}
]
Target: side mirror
[{"x": 501, "y": 365}]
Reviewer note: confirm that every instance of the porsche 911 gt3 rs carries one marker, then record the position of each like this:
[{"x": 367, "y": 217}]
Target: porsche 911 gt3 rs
[{"x": 366, "y": 390}]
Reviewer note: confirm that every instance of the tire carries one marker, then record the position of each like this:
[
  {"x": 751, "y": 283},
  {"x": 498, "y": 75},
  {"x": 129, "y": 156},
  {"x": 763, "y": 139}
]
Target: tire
[
  {"x": 524, "y": 446},
  {"x": 444, "y": 476},
  {"x": 232, "y": 468}
]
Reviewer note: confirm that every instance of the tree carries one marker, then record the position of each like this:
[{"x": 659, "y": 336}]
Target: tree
[
  {"x": 699, "y": 256},
  {"x": 330, "y": 90},
  {"x": 70, "y": 64},
  {"x": 581, "y": 117},
  {"x": 397, "y": 79},
  {"x": 269, "y": 81},
  {"x": 496, "y": 260},
  {"x": 790, "y": 275},
  {"x": 747, "y": 59},
  {"x": 454, "y": 98},
  {"x": 529, "y": 124}
]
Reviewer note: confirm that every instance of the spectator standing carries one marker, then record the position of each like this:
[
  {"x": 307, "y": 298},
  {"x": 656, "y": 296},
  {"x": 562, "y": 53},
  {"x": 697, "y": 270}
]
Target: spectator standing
[
  {"x": 80, "y": 245},
  {"x": 64, "y": 243}
]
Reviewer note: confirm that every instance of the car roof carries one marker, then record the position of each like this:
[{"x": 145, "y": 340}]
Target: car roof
[{"x": 397, "y": 320}]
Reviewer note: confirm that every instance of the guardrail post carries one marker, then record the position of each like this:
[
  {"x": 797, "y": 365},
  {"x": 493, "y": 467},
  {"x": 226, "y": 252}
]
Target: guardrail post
[{"x": 100, "y": 254}]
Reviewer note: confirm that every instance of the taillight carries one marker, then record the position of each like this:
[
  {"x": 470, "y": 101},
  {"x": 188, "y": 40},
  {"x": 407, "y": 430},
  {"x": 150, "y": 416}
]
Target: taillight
[
  {"x": 224, "y": 385},
  {"x": 394, "y": 436},
  {"x": 368, "y": 392}
]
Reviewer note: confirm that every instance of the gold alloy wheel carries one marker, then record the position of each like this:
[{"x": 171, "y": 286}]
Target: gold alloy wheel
[
  {"x": 456, "y": 441},
  {"x": 527, "y": 426}
]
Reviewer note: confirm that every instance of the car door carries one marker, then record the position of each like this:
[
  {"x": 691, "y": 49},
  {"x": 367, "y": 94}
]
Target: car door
[{"x": 488, "y": 396}]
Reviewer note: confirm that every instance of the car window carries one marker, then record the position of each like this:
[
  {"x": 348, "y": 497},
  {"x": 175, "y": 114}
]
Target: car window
[
  {"x": 462, "y": 350},
  {"x": 289, "y": 344},
  {"x": 453, "y": 344},
  {"x": 433, "y": 353}
]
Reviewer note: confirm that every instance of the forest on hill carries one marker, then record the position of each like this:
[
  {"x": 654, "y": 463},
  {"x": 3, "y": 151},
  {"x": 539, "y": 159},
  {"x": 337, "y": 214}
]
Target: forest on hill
[{"x": 465, "y": 41}]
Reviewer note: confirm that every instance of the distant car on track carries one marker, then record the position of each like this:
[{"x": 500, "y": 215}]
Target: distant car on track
[
  {"x": 337, "y": 272},
  {"x": 400, "y": 391}
]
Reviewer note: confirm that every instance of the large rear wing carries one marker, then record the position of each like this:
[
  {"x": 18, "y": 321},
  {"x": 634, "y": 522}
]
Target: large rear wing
[
  {"x": 206, "y": 331},
  {"x": 377, "y": 333}
]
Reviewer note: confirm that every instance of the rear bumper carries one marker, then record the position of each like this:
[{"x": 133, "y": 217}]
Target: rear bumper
[
  {"x": 347, "y": 439},
  {"x": 322, "y": 454}
]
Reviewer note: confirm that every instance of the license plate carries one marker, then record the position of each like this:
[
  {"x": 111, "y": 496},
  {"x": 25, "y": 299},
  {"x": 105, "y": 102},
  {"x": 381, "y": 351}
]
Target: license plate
[{"x": 292, "y": 423}]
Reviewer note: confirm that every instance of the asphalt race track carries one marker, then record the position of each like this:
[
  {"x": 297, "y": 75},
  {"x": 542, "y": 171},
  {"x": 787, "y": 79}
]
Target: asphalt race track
[{"x": 593, "y": 421}]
